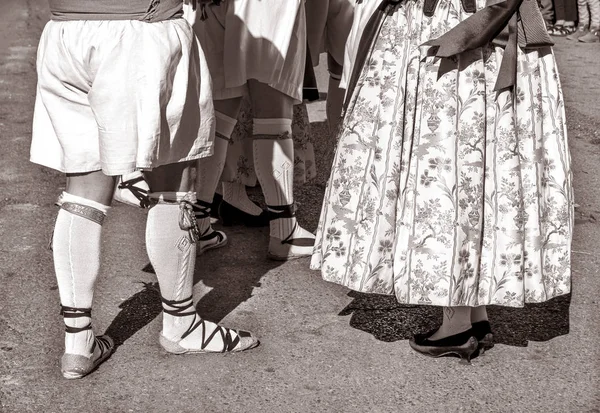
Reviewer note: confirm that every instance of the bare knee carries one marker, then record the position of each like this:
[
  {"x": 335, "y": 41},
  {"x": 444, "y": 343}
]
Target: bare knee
[{"x": 94, "y": 186}]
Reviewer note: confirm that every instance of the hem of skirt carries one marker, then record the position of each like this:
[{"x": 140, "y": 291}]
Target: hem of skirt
[{"x": 317, "y": 267}]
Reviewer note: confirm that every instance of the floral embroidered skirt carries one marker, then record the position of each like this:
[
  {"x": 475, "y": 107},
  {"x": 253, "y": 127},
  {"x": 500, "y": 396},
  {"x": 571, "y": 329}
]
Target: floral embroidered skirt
[{"x": 443, "y": 191}]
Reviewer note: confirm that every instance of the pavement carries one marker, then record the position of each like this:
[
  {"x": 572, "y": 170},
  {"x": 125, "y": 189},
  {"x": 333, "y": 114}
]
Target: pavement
[{"x": 323, "y": 348}]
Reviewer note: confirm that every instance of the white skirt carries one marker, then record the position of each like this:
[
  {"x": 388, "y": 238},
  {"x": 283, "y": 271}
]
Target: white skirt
[
  {"x": 248, "y": 39},
  {"x": 119, "y": 96}
]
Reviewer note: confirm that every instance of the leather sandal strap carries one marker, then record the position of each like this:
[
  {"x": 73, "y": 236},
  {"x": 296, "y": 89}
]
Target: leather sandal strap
[
  {"x": 281, "y": 211},
  {"x": 179, "y": 308},
  {"x": 139, "y": 193},
  {"x": 202, "y": 209},
  {"x": 229, "y": 343},
  {"x": 74, "y": 312},
  {"x": 73, "y": 330},
  {"x": 209, "y": 236},
  {"x": 300, "y": 242},
  {"x": 102, "y": 343}
]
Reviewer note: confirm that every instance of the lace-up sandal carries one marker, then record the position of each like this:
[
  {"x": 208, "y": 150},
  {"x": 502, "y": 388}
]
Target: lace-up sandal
[
  {"x": 561, "y": 30},
  {"x": 210, "y": 239},
  {"x": 227, "y": 340},
  {"x": 289, "y": 247},
  {"x": 133, "y": 191},
  {"x": 76, "y": 366}
]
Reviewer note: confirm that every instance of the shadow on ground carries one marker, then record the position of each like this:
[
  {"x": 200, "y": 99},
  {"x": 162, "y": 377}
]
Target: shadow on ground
[
  {"x": 387, "y": 320},
  {"x": 136, "y": 312}
]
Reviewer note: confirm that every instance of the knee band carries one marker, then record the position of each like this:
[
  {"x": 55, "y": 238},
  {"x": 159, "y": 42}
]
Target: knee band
[
  {"x": 82, "y": 207},
  {"x": 335, "y": 76},
  {"x": 187, "y": 217},
  {"x": 278, "y": 127},
  {"x": 224, "y": 125}
]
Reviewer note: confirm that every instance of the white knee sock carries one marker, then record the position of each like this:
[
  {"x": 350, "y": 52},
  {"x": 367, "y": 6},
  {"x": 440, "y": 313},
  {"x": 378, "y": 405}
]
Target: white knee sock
[
  {"x": 208, "y": 170},
  {"x": 171, "y": 252},
  {"x": 76, "y": 250},
  {"x": 274, "y": 163}
]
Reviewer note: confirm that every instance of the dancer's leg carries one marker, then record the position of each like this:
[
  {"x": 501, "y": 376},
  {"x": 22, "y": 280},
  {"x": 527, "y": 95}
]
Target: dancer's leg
[
  {"x": 76, "y": 251},
  {"x": 274, "y": 163},
  {"x": 171, "y": 234},
  {"x": 208, "y": 173}
]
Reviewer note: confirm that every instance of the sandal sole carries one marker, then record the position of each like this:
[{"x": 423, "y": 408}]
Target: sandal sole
[
  {"x": 72, "y": 375},
  {"x": 174, "y": 348}
]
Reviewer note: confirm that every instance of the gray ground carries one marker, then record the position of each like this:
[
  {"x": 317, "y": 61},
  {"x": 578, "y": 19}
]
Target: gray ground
[{"x": 323, "y": 349}]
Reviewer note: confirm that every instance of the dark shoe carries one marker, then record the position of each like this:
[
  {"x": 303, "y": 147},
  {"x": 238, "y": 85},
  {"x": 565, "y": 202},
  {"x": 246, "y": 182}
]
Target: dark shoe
[
  {"x": 231, "y": 215},
  {"x": 462, "y": 345},
  {"x": 483, "y": 333}
]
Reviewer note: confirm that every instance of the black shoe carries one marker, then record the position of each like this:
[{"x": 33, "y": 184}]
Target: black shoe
[
  {"x": 231, "y": 215},
  {"x": 462, "y": 345},
  {"x": 483, "y": 333}
]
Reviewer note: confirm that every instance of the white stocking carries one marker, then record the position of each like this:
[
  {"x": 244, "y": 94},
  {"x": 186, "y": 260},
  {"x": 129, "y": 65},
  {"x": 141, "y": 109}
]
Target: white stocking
[{"x": 76, "y": 251}]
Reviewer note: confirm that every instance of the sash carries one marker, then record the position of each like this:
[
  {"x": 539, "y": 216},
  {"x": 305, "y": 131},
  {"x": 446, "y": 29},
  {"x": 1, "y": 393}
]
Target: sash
[
  {"x": 145, "y": 10},
  {"x": 506, "y": 23}
]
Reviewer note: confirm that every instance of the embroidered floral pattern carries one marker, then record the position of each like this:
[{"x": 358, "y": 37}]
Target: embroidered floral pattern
[{"x": 442, "y": 191}]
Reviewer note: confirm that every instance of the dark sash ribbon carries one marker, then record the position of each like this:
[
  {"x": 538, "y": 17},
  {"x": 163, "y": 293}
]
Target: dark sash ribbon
[
  {"x": 506, "y": 23},
  {"x": 369, "y": 35}
]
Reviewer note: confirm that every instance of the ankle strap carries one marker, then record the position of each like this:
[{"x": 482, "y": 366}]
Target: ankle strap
[
  {"x": 202, "y": 209},
  {"x": 73, "y": 312},
  {"x": 179, "y": 307},
  {"x": 281, "y": 211},
  {"x": 140, "y": 193}
]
